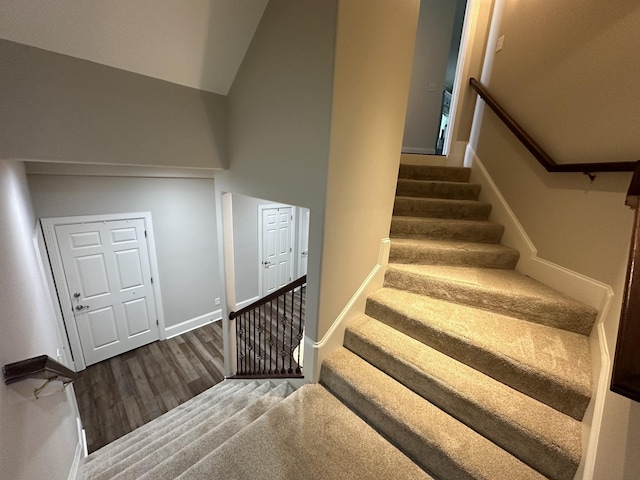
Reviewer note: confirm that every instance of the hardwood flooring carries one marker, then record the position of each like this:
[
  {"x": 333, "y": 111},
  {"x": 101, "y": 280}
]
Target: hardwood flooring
[
  {"x": 122, "y": 393},
  {"x": 270, "y": 336}
]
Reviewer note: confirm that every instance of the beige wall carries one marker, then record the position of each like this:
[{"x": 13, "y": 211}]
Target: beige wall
[
  {"x": 38, "y": 438},
  {"x": 184, "y": 223},
  {"x": 280, "y": 116},
  {"x": 374, "y": 53},
  {"x": 58, "y": 108},
  {"x": 567, "y": 73}
]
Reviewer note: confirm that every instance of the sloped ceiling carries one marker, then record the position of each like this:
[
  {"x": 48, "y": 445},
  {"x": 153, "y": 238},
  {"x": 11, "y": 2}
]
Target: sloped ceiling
[{"x": 196, "y": 43}]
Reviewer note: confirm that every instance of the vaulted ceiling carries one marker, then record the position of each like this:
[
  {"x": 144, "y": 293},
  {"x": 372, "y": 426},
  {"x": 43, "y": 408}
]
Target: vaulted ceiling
[{"x": 196, "y": 43}]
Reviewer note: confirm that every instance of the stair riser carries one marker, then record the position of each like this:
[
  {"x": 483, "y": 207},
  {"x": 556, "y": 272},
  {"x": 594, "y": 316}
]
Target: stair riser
[
  {"x": 444, "y": 174},
  {"x": 438, "y": 208},
  {"x": 533, "y": 309},
  {"x": 519, "y": 377},
  {"x": 480, "y": 233},
  {"x": 205, "y": 400},
  {"x": 190, "y": 447},
  {"x": 423, "y": 188},
  {"x": 121, "y": 461},
  {"x": 436, "y": 256},
  {"x": 451, "y": 455},
  {"x": 514, "y": 438}
]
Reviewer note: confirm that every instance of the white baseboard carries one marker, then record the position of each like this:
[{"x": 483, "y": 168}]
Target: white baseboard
[
  {"x": 75, "y": 473},
  {"x": 316, "y": 352},
  {"x": 192, "y": 324},
  {"x": 587, "y": 290}
]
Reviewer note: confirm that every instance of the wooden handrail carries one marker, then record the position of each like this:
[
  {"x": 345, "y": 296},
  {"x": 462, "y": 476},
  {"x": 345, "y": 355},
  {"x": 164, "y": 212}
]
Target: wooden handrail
[
  {"x": 625, "y": 377},
  {"x": 42, "y": 367},
  {"x": 536, "y": 150},
  {"x": 272, "y": 296}
]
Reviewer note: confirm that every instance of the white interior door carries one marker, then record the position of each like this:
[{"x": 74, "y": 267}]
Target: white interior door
[
  {"x": 276, "y": 248},
  {"x": 107, "y": 271}
]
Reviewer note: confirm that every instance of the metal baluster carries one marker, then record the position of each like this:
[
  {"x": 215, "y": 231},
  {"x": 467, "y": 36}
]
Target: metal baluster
[
  {"x": 269, "y": 317},
  {"x": 290, "y": 371},
  {"x": 277, "y": 332},
  {"x": 300, "y": 328},
  {"x": 284, "y": 332}
]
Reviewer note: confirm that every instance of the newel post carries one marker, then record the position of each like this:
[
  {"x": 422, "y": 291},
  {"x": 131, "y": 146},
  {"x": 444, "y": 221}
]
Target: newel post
[{"x": 625, "y": 379}]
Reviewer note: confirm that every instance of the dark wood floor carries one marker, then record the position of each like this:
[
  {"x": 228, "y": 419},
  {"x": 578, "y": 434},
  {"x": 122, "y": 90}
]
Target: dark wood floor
[
  {"x": 270, "y": 335},
  {"x": 120, "y": 394}
]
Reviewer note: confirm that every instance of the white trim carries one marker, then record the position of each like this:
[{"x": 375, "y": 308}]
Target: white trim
[
  {"x": 50, "y": 291},
  {"x": 224, "y": 215},
  {"x": 470, "y": 32},
  {"x": 292, "y": 240},
  {"x": 355, "y": 307},
  {"x": 587, "y": 290},
  {"x": 75, "y": 470},
  {"x": 576, "y": 285},
  {"x": 247, "y": 302},
  {"x": 97, "y": 170},
  {"x": 419, "y": 150},
  {"x": 193, "y": 323},
  {"x": 64, "y": 297}
]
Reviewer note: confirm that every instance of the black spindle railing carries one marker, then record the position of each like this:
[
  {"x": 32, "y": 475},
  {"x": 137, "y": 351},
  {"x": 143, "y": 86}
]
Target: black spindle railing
[{"x": 269, "y": 333}]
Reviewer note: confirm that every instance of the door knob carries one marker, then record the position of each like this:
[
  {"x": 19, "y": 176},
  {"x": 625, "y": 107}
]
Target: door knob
[
  {"x": 82, "y": 307},
  {"x": 267, "y": 263},
  {"x": 76, "y": 295}
]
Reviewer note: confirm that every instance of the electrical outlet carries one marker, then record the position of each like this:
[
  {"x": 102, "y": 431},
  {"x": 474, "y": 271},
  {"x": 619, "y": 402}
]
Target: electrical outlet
[
  {"x": 217, "y": 301},
  {"x": 500, "y": 43}
]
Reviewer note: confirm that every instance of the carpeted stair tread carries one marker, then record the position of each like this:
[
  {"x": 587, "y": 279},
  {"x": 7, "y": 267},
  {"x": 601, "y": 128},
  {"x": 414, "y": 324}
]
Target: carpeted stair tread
[
  {"x": 439, "y": 252},
  {"x": 216, "y": 413},
  {"x": 173, "y": 458},
  {"x": 441, "y": 208},
  {"x": 428, "y": 172},
  {"x": 540, "y": 436},
  {"x": 442, "y": 445},
  {"x": 481, "y": 231},
  {"x": 437, "y": 189},
  {"x": 548, "y": 364},
  {"x": 208, "y": 399},
  {"x": 308, "y": 435},
  {"x": 501, "y": 291}
]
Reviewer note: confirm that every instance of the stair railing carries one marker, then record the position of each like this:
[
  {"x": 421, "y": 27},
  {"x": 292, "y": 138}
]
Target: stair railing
[
  {"x": 536, "y": 150},
  {"x": 42, "y": 367},
  {"x": 625, "y": 378},
  {"x": 269, "y": 333}
]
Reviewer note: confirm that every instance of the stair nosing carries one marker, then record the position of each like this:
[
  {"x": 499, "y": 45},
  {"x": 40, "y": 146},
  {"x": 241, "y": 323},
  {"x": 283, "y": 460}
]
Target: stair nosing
[
  {"x": 460, "y": 339},
  {"x": 434, "y": 376},
  {"x": 402, "y": 415}
]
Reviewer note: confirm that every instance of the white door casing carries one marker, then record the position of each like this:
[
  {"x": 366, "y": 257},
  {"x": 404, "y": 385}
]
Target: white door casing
[
  {"x": 276, "y": 247},
  {"x": 106, "y": 273},
  {"x": 303, "y": 249}
]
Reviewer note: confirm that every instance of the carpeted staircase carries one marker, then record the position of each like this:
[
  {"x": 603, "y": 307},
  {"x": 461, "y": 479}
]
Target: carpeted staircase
[
  {"x": 470, "y": 368},
  {"x": 462, "y": 368}
]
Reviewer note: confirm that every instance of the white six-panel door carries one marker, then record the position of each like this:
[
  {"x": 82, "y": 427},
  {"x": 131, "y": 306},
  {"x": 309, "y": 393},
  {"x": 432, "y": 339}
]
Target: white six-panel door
[
  {"x": 107, "y": 270},
  {"x": 276, "y": 248}
]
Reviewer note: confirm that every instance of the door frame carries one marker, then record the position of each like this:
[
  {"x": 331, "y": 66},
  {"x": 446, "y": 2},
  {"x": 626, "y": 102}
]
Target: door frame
[
  {"x": 59, "y": 278},
  {"x": 292, "y": 254}
]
